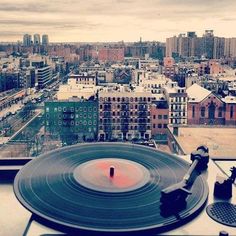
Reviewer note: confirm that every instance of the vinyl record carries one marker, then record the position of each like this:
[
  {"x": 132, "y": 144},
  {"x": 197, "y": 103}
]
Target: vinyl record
[{"x": 72, "y": 187}]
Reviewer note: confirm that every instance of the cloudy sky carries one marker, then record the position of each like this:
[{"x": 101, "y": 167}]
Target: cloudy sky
[{"x": 114, "y": 20}]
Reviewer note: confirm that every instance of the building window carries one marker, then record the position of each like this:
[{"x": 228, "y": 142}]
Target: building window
[
  {"x": 159, "y": 117},
  {"x": 165, "y": 117},
  {"x": 47, "y": 109},
  {"x": 154, "y": 126},
  {"x": 193, "y": 111},
  {"x": 231, "y": 112},
  {"x": 165, "y": 126},
  {"x": 55, "y": 109},
  {"x": 59, "y": 108},
  {"x": 154, "y": 117},
  {"x": 64, "y": 108},
  {"x": 220, "y": 112},
  {"x": 203, "y": 111}
]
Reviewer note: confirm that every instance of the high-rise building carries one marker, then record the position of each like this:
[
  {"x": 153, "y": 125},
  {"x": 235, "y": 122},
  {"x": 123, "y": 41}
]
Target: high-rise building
[
  {"x": 230, "y": 47},
  {"x": 171, "y": 46},
  {"x": 44, "y": 76},
  {"x": 45, "y": 40},
  {"x": 219, "y": 46},
  {"x": 208, "y": 39},
  {"x": 191, "y": 34},
  {"x": 208, "y": 46},
  {"x": 36, "y": 39},
  {"x": 27, "y": 40}
]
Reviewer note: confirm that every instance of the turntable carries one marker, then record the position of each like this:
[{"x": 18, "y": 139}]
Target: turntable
[{"x": 109, "y": 188}]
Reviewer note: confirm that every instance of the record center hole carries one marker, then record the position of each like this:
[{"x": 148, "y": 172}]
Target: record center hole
[{"x": 112, "y": 171}]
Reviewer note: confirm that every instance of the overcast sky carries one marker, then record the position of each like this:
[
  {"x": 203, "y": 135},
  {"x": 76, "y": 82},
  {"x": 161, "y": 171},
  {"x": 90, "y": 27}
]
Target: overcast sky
[{"x": 115, "y": 20}]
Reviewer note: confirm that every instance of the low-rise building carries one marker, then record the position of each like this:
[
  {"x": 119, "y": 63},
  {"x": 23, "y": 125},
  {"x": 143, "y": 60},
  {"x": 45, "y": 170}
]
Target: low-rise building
[
  {"x": 85, "y": 79},
  {"x": 153, "y": 81},
  {"x": 73, "y": 120},
  {"x": 230, "y": 110},
  {"x": 75, "y": 90},
  {"x": 204, "y": 107},
  {"x": 177, "y": 103},
  {"x": 159, "y": 117}
]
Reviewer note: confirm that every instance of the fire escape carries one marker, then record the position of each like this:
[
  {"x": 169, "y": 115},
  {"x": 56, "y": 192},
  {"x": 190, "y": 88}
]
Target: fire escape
[
  {"x": 142, "y": 117},
  {"x": 124, "y": 118},
  {"x": 107, "y": 115}
]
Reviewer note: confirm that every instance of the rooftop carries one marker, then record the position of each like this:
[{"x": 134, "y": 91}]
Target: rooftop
[
  {"x": 229, "y": 99},
  {"x": 197, "y": 93},
  {"x": 219, "y": 140}
]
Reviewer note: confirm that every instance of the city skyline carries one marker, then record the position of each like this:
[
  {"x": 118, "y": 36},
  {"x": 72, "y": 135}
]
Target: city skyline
[{"x": 113, "y": 20}]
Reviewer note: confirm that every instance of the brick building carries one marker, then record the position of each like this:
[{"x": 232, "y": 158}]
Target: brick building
[
  {"x": 124, "y": 113},
  {"x": 111, "y": 54},
  {"x": 159, "y": 117},
  {"x": 204, "y": 107},
  {"x": 230, "y": 110}
]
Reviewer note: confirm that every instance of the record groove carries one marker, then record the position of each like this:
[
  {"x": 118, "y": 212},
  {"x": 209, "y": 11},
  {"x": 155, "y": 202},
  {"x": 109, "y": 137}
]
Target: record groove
[{"x": 47, "y": 187}]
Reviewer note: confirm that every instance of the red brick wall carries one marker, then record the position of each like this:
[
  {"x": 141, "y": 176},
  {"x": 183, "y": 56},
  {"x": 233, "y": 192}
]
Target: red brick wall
[
  {"x": 228, "y": 119},
  {"x": 157, "y": 118},
  {"x": 198, "y": 119},
  {"x": 110, "y": 54}
]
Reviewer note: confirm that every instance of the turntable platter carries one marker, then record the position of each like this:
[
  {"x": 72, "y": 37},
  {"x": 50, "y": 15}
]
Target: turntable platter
[{"x": 71, "y": 188}]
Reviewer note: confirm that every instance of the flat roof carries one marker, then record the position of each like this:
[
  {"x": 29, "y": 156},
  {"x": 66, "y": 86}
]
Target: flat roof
[{"x": 219, "y": 140}]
